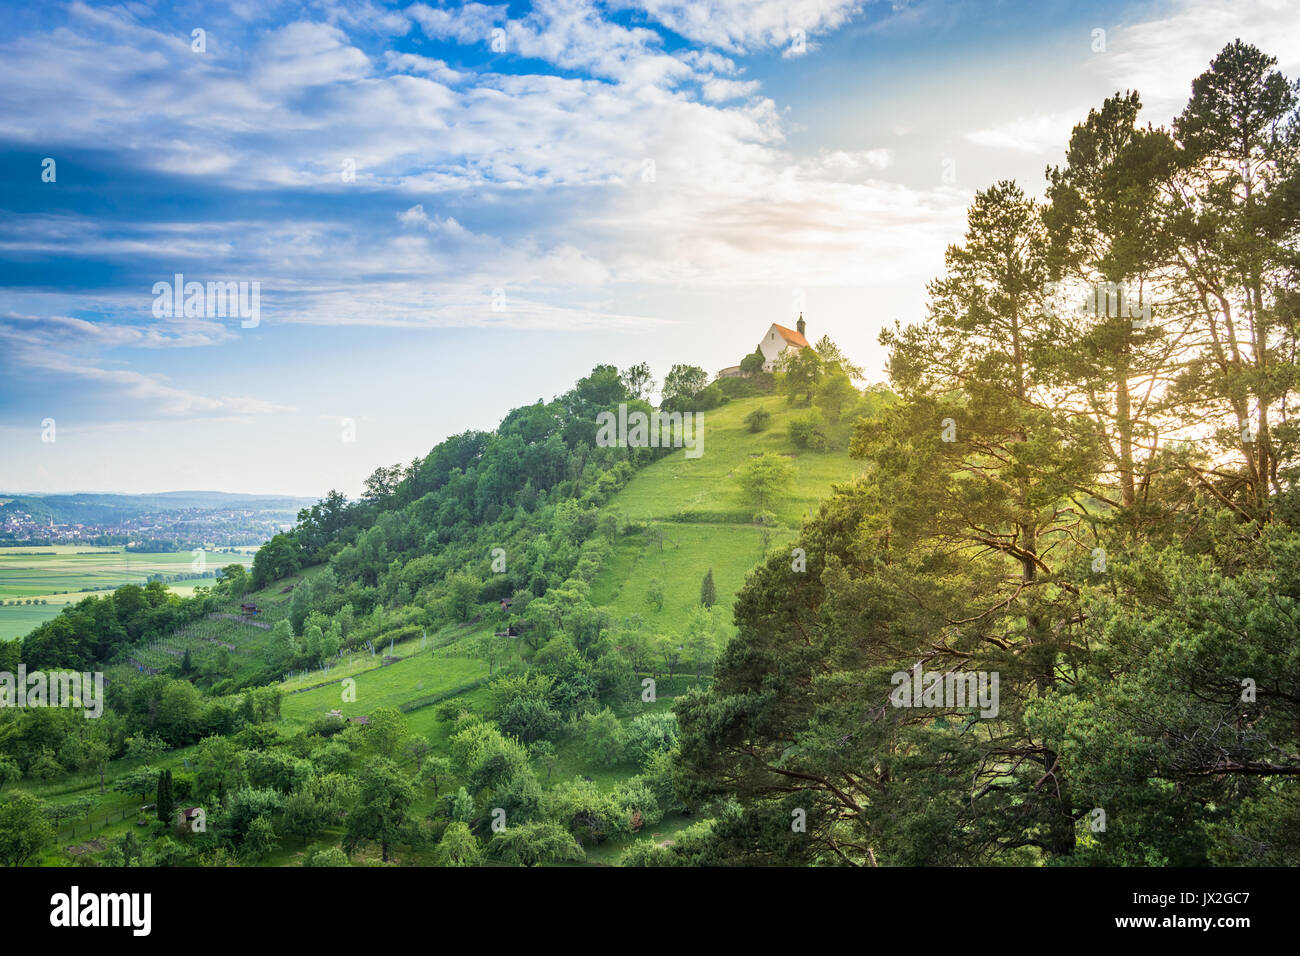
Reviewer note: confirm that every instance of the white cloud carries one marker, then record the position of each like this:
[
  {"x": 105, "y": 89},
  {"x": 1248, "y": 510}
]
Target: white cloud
[
  {"x": 304, "y": 54},
  {"x": 843, "y": 163},
  {"x": 422, "y": 65},
  {"x": 51, "y": 345},
  {"x": 1040, "y": 133},
  {"x": 571, "y": 34},
  {"x": 717, "y": 90},
  {"x": 1159, "y": 58},
  {"x": 416, "y": 216},
  {"x": 744, "y": 25}
]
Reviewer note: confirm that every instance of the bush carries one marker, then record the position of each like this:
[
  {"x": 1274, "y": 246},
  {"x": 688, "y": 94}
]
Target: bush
[
  {"x": 451, "y": 709},
  {"x": 753, "y": 363},
  {"x": 810, "y": 432},
  {"x": 325, "y": 725},
  {"x": 602, "y": 736},
  {"x": 330, "y": 857},
  {"x": 645, "y": 853},
  {"x": 586, "y": 811},
  {"x": 183, "y": 785},
  {"x": 529, "y": 719},
  {"x": 711, "y": 397},
  {"x": 737, "y": 387},
  {"x": 638, "y": 802},
  {"x": 758, "y": 419},
  {"x": 649, "y": 734}
]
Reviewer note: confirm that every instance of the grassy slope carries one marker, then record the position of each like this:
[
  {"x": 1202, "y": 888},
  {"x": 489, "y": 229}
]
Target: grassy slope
[
  {"x": 705, "y": 522},
  {"x": 201, "y": 638}
]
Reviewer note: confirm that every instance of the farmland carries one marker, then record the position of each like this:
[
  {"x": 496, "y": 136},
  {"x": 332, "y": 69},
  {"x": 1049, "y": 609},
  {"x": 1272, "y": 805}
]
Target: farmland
[{"x": 53, "y": 576}]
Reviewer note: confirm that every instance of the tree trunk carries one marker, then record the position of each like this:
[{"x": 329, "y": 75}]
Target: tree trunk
[{"x": 1123, "y": 413}]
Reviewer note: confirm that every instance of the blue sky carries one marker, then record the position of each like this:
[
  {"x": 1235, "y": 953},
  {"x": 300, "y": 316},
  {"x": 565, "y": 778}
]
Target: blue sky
[{"x": 538, "y": 188}]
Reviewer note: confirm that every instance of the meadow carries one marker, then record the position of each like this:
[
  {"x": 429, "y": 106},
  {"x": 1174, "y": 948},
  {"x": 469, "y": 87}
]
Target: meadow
[
  {"x": 681, "y": 489},
  {"x": 696, "y": 506}
]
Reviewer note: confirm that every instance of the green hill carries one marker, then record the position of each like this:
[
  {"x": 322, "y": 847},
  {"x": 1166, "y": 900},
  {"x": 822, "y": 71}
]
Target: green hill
[{"x": 392, "y": 609}]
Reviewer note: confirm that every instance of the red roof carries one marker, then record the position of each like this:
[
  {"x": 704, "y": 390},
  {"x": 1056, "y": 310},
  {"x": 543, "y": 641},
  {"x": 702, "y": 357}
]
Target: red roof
[{"x": 793, "y": 337}]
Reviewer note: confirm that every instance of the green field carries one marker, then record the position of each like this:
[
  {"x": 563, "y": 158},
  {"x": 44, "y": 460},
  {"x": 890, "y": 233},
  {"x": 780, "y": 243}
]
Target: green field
[
  {"x": 398, "y": 684},
  {"x": 697, "y": 505},
  {"x": 63, "y": 574},
  {"x": 677, "y": 488}
]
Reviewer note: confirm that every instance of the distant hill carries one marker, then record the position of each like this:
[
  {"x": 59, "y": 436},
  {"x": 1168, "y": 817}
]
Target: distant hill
[{"x": 93, "y": 508}]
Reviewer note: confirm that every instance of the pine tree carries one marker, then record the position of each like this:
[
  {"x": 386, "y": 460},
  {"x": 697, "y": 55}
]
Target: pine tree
[{"x": 708, "y": 593}]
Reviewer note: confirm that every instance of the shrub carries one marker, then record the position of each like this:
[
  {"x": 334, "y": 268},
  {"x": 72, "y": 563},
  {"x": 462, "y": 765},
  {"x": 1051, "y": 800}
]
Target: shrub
[
  {"x": 325, "y": 725},
  {"x": 711, "y": 397},
  {"x": 603, "y": 737},
  {"x": 758, "y": 419},
  {"x": 649, "y": 734},
  {"x": 753, "y": 362},
  {"x": 586, "y": 811},
  {"x": 329, "y": 857},
  {"x": 810, "y": 432},
  {"x": 638, "y": 802},
  {"x": 737, "y": 387},
  {"x": 529, "y": 719}
]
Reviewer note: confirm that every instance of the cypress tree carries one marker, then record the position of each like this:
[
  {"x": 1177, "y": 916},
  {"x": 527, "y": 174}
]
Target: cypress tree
[
  {"x": 708, "y": 593},
  {"x": 166, "y": 801}
]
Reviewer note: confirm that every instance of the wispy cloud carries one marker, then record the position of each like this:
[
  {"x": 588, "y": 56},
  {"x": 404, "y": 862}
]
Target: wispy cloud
[{"x": 1038, "y": 134}]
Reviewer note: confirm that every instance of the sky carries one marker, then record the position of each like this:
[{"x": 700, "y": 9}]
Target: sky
[{"x": 445, "y": 211}]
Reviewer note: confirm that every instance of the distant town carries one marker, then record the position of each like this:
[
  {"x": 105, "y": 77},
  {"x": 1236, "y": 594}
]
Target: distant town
[
  {"x": 150, "y": 524},
  {"x": 168, "y": 531}
]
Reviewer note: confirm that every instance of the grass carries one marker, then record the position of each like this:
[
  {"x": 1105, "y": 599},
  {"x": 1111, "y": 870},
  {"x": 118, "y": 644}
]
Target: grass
[
  {"x": 705, "y": 522},
  {"x": 677, "y": 488},
  {"x": 689, "y": 551},
  {"x": 420, "y": 676}
]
